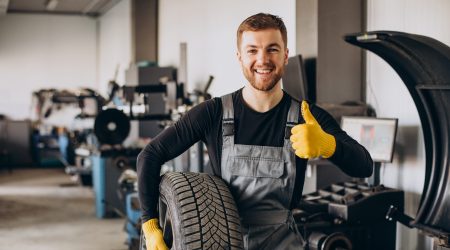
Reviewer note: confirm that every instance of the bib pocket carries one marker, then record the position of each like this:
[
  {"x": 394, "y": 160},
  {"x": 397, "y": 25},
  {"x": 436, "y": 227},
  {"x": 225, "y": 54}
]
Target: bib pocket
[{"x": 256, "y": 167}]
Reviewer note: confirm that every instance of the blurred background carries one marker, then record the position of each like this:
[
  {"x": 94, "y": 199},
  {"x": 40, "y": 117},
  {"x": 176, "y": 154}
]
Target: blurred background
[{"x": 86, "y": 84}]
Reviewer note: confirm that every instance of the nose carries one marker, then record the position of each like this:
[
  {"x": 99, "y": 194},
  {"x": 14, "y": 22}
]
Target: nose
[{"x": 263, "y": 57}]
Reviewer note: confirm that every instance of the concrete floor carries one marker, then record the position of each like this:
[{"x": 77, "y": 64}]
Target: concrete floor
[{"x": 43, "y": 209}]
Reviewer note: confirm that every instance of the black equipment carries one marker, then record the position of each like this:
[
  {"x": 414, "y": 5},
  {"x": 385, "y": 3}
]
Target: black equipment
[
  {"x": 349, "y": 215},
  {"x": 111, "y": 126},
  {"x": 173, "y": 96},
  {"x": 423, "y": 64},
  {"x": 352, "y": 215},
  {"x": 155, "y": 101}
]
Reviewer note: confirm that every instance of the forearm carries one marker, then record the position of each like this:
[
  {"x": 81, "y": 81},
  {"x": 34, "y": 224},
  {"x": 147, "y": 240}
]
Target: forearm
[
  {"x": 148, "y": 169},
  {"x": 167, "y": 145},
  {"x": 352, "y": 158},
  {"x": 349, "y": 155}
]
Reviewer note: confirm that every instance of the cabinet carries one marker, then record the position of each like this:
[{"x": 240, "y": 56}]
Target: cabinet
[{"x": 15, "y": 142}]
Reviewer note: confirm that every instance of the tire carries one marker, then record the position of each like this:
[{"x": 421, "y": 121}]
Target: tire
[
  {"x": 197, "y": 211},
  {"x": 134, "y": 244}
]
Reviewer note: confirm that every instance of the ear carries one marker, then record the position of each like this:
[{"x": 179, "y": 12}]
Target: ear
[
  {"x": 286, "y": 56},
  {"x": 239, "y": 57}
]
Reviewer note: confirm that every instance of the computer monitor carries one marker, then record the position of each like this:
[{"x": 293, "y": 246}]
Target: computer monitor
[{"x": 377, "y": 135}]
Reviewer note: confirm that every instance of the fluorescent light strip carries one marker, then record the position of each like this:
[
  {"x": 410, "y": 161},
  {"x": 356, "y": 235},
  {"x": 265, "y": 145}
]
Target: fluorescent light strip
[
  {"x": 51, "y": 5},
  {"x": 90, "y": 6},
  {"x": 3, "y": 7}
]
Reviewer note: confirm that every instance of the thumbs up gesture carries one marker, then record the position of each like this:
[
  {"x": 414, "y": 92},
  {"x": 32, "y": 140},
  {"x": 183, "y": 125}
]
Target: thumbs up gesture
[{"x": 309, "y": 140}]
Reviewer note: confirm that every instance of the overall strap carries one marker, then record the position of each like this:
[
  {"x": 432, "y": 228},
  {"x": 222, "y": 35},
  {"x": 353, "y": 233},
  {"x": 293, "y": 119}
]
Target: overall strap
[
  {"x": 228, "y": 115},
  {"x": 292, "y": 117}
]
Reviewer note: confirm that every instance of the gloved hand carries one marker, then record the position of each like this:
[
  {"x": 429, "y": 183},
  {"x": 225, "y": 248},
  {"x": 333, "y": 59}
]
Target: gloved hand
[
  {"x": 309, "y": 140},
  {"x": 153, "y": 235}
]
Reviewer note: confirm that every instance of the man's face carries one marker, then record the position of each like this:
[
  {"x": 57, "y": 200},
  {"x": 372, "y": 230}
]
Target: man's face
[{"x": 262, "y": 55}]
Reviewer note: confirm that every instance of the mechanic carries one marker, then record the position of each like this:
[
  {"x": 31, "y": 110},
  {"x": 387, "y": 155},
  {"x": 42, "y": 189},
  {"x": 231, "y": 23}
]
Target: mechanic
[{"x": 258, "y": 127}]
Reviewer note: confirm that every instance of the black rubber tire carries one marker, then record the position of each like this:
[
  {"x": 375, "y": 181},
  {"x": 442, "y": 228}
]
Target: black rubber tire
[
  {"x": 197, "y": 211},
  {"x": 112, "y": 126},
  {"x": 134, "y": 244}
]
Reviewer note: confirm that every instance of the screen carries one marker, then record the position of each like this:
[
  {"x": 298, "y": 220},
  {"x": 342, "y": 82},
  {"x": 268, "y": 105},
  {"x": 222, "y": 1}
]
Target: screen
[{"x": 377, "y": 135}]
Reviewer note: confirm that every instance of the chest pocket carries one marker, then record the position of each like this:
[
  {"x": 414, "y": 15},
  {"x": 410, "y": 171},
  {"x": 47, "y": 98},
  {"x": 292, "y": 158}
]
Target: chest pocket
[{"x": 256, "y": 167}]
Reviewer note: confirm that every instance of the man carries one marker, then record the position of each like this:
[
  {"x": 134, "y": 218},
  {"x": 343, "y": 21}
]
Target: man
[{"x": 249, "y": 131}]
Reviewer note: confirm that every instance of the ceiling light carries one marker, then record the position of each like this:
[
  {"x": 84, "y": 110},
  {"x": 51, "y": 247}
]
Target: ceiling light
[
  {"x": 51, "y": 5},
  {"x": 90, "y": 6},
  {"x": 3, "y": 6}
]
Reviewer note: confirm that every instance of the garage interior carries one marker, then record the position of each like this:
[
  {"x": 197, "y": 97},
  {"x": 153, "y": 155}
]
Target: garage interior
[{"x": 86, "y": 84}]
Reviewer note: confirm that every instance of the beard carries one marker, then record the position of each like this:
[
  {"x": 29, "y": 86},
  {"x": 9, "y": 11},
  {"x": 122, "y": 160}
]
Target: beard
[{"x": 263, "y": 84}]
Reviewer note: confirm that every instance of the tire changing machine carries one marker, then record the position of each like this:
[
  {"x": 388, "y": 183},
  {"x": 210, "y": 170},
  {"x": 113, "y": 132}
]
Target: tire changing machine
[
  {"x": 358, "y": 216},
  {"x": 115, "y": 188}
]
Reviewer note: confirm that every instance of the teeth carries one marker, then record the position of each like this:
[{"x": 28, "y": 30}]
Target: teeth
[{"x": 263, "y": 71}]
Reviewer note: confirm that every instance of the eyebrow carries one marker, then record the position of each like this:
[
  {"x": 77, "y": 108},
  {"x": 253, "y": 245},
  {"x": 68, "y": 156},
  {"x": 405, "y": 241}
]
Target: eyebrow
[
  {"x": 270, "y": 45},
  {"x": 274, "y": 45}
]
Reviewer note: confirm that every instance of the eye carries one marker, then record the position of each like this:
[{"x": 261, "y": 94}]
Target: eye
[
  {"x": 273, "y": 50},
  {"x": 252, "y": 51}
]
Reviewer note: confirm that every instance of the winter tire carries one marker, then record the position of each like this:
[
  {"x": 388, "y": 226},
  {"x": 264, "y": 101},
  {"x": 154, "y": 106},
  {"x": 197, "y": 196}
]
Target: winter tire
[{"x": 197, "y": 211}]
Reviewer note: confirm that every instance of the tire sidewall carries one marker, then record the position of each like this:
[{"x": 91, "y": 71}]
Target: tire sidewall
[{"x": 167, "y": 196}]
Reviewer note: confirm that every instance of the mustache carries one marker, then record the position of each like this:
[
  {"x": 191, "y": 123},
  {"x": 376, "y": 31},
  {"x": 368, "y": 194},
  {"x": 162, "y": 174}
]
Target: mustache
[{"x": 264, "y": 65}]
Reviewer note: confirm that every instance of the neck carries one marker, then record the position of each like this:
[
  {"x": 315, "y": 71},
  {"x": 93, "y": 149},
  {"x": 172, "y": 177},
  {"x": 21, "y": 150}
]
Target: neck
[{"x": 262, "y": 101}]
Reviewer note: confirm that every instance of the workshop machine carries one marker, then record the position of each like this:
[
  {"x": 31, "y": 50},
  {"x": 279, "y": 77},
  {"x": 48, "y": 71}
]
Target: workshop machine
[
  {"x": 114, "y": 165},
  {"x": 62, "y": 121},
  {"x": 112, "y": 126},
  {"x": 353, "y": 215},
  {"x": 423, "y": 64},
  {"x": 349, "y": 215}
]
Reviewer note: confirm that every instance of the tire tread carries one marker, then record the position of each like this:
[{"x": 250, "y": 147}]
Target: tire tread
[{"x": 207, "y": 213}]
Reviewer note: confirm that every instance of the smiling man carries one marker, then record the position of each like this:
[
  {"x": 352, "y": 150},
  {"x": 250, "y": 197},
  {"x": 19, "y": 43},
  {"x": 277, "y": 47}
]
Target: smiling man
[{"x": 259, "y": 140}]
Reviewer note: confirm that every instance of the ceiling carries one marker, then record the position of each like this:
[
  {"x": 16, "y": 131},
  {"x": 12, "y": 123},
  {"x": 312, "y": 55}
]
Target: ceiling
[{"x": 62, "y": 7}]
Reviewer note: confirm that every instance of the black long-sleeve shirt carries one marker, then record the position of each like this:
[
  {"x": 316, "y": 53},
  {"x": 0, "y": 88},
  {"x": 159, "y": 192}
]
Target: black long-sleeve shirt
[{"x": 204, "y": 122}]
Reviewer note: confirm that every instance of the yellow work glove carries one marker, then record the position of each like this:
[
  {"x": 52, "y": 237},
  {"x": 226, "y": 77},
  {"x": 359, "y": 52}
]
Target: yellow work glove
[
  {"x": 153, "y": 235},
  {"x": 309, "y": 140}
]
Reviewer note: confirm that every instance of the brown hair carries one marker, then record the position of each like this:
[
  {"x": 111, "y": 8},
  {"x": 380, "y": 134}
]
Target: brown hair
[{"x": 262, "y": 21}]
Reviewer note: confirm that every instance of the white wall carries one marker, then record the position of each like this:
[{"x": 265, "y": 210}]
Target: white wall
[
  {"x": 115, "y": 51},
  {"x": 43, "y": 51},
  {"x": 209, "y": 28},
  {"x": 389, "y": 96},
  {"x": 114, "y": 44}
]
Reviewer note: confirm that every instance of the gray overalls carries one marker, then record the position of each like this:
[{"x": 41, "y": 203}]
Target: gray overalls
[{"x": 261, "y": 179}]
